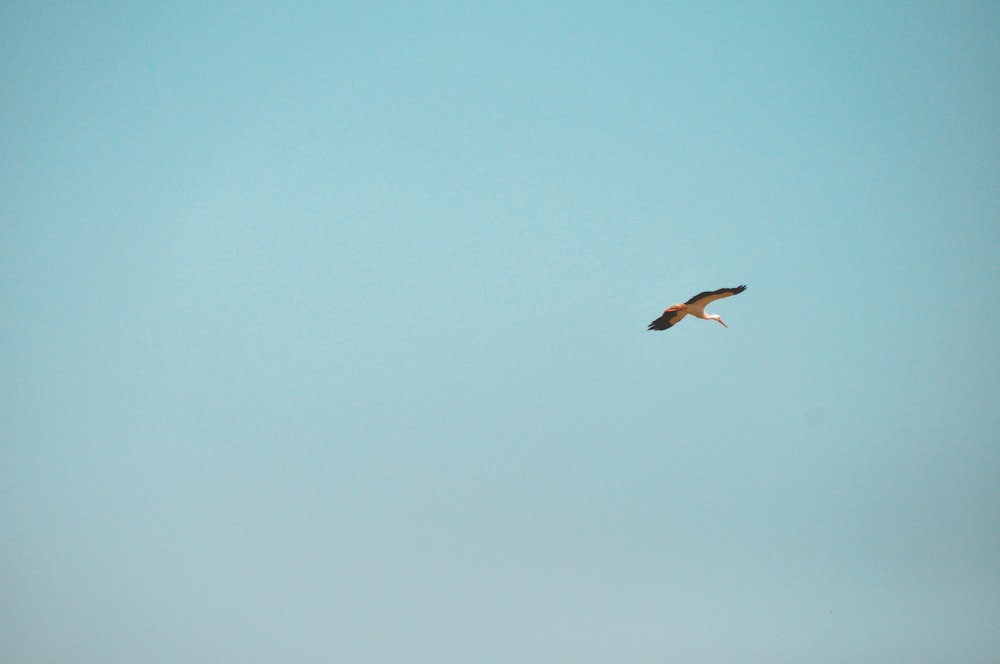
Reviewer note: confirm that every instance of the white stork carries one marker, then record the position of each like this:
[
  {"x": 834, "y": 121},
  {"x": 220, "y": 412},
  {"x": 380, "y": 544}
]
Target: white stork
[{"x": 695, "y": 306}]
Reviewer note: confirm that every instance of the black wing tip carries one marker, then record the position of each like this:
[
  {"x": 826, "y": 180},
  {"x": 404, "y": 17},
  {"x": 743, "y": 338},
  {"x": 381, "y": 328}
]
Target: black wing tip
[
  {"x": 658, "y": 326},
  {"x": 735, "y": 290}
]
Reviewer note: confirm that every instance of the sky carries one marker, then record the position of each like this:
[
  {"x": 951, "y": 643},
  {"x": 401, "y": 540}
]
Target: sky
[{"x": 323, "y": 332}]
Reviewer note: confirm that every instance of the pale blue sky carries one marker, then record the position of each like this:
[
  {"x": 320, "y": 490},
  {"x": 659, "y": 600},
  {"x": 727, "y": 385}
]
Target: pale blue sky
[{"x": 324, "y": 332}]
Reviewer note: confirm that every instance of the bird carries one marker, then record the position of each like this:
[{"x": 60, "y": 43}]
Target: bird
[{"x": 695, "y": 306}]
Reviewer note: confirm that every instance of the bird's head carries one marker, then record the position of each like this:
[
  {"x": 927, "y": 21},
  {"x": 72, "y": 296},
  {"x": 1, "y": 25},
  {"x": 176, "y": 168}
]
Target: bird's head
[{"x": 720, "y": 321}]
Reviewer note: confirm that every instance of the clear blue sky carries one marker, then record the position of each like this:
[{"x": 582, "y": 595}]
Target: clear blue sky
[{"x": 324, "y": 332}]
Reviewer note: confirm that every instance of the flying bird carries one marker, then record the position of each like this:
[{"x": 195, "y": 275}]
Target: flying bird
[{"x": 695, "y": 306}]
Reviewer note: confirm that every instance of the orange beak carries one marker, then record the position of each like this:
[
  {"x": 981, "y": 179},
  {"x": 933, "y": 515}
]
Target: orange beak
[{"x": 723, "y": 324}]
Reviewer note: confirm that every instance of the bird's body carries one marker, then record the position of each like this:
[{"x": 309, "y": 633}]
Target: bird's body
[{"x": 694, "y": 307}]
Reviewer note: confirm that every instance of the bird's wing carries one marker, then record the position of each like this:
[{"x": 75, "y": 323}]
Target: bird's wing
[
  {"x": 710, "y": 296},
  {"x": 667, "y": 320}
]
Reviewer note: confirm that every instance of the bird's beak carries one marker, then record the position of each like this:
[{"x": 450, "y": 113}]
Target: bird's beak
[{"x": 723, "y": 324}]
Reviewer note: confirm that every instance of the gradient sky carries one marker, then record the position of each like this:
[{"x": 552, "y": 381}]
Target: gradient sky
[{"x": 324, "y": 332}]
